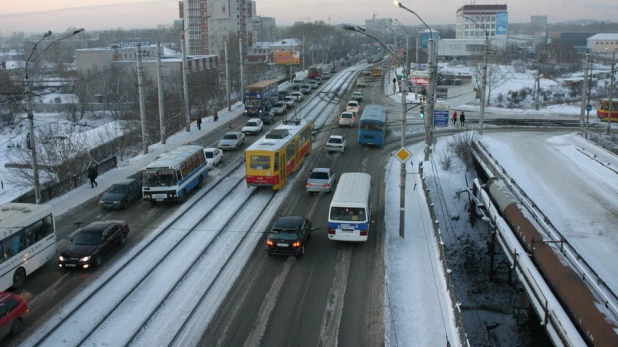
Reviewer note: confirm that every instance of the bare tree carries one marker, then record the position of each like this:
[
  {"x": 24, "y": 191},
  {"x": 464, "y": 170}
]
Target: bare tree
[{"x": 10, "y": 98}]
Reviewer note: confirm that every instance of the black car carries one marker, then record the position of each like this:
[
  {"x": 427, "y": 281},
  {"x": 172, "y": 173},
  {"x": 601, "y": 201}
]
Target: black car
[
  {"x": 288, "y": 236},
  {"x": 267, "y": 117},
  {"x": 89, "y": 243},
  {"x": 121, "y": 194}
]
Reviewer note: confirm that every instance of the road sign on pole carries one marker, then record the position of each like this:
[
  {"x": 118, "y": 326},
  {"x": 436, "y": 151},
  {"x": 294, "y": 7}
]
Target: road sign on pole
[
  {"x": 588, "y": 107},
  {"x": 403, "y": 154},
  {"x": 440, "y": 118}
]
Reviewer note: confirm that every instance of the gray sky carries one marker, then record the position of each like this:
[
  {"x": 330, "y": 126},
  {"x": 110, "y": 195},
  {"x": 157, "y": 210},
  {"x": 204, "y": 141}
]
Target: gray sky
[{"x": 58, "y": 15}]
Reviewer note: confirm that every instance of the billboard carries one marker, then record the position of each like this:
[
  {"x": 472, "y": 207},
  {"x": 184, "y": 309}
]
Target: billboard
[
  {"x": 287, "y": 58},
  {"x": 501, "y": 23}
]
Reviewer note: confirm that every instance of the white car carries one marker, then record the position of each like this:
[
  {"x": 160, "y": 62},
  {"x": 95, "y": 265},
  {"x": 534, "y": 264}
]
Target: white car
[
  {"x": 299, "y": 96},
  {"x": 280, "y": 107},
  {"x": 214, "y": 157},
  {"x": 353, "y": 106},
  {"x": 314, "y": 84},
  {"x": 253, "y": 126},
  {"x": 231, "y": 140},
  {"x": 347, "y": 118},
  {"x": 357, "y": 96},
  {"x": 290, "y": 101},
  {"x": 335, "y": 143}
]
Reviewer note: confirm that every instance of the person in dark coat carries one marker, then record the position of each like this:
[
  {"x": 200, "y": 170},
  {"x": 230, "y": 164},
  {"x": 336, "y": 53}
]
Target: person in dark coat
[
  {"x": 199, "y": 123},
  {"x": 462, "y": 118},
  {"x": 216, "y": 117},
  {"x": 92, "y": 175}
]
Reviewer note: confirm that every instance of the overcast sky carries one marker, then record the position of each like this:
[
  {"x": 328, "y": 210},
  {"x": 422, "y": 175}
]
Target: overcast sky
[{"x": 58, "y": 15}]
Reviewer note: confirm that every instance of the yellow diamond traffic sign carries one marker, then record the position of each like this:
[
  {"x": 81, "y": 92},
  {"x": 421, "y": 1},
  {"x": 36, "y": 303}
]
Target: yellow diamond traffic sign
[{"x": 403, "y": 154}]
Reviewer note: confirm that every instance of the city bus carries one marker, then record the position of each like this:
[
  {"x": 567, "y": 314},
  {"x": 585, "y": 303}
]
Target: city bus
[
  {"x": 273, "y": 158},
  {"x": 27, "y": 241},
  {"x": 350, "y": 210},
  {"x": 603, "y": 109},
  {"x": 172, "y": 176},
  {"x": 372, "y": 129}
]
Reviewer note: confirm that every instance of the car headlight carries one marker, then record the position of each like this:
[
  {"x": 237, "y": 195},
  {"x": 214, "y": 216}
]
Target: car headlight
[
  {"x": 61, "y": 258},
  {"x": 117, "y": 202},
  {"x": 85, "y": 259}
]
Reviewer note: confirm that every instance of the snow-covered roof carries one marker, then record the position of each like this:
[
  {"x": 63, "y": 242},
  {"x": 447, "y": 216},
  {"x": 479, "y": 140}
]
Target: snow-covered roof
[
  {"x": 262, "y": 45},
  {"x": 286, "y": 43},
  {"x": 604, "y": 36},
  {"x": 278, "y": 137}
]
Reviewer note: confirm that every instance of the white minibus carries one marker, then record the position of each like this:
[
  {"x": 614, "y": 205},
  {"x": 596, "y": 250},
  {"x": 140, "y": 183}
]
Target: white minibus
[{"x": 350, "y": 210}]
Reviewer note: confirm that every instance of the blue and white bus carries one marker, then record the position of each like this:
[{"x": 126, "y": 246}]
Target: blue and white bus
[
  {"x": 172, "y": 176},
  {"x": 350, "y": 210},
  {"x": 372, "y": 129}
]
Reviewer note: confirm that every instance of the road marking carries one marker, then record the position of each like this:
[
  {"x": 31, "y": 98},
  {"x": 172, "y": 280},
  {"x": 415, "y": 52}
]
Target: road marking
[
  {"x": 329, "y": 330},
  {"x": 270, "y": 301}
]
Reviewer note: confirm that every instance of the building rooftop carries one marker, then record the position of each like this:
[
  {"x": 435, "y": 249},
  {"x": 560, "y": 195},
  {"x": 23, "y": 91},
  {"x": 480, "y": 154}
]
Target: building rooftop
[
  {"x": 604, "y": 36},
  {"x": 481, "y": 8}
]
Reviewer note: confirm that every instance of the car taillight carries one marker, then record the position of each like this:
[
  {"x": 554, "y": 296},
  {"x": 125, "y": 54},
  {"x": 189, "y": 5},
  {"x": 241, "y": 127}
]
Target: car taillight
[
  {"x": 363, "y": 233},
  {"x": 270, "y": 243},
  {"x": 331, "y": 231},
  {"x": 309, "y": 184},
  {"x": 326, "y": 185},
  {"x": 296, "y": 244}
]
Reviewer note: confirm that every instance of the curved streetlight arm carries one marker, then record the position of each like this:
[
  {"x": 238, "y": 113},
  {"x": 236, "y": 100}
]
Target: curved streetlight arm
[
  {"x": 414, "y": 13},
  {"x": 402, "y": 26},
  {"x": 46, "y": 35},
  {"x": 362, "y": 31},
  {"x": 60, "y": 39}
]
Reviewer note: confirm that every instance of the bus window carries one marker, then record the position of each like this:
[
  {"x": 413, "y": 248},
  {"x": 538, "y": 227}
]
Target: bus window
[
  {"x": 14, "y": 244},
  {"x": 253, "y": 102},
  {"x": 348, "y": 214},
  {"x": 260, "y": 162},
  {"x": 371, "y": 126},
  {"x": 158, "y": 178}
]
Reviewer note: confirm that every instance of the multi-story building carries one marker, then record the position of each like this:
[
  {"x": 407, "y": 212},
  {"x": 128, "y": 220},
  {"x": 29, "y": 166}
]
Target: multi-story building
[
  {"x": 379, "y": 24},
  {"x": 473, "y": 21},
  {"x": 264, "y": 28},
  {"x": 209, "y": 23},
  {"x": 603, "y": 43}
]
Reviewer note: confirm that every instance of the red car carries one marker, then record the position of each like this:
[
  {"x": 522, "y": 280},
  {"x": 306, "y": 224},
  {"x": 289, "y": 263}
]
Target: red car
[{"x": 12, "y": 309}]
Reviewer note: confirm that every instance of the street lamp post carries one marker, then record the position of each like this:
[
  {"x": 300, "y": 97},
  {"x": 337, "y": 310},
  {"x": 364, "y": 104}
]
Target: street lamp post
[
  {"x": 484, "y": 75},
  {"x": 611, "y": 89},
  {"x": 29, "y": 107},
  {"x": 185, "y": 82},
  {"x": 431, "y": 62},
  {"x": 404, "y": 88}
]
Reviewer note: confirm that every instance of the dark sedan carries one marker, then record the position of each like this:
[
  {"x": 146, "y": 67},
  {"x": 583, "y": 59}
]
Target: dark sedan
[
  {"x": 88, "y": 244},
  {"x": 121, "y": 194},
  {"x": 288, "y": 236}
]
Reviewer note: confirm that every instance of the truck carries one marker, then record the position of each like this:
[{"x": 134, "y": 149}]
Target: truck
[
  {"x": 360, "y": 82},
  {"x": 260, "y": 97}
]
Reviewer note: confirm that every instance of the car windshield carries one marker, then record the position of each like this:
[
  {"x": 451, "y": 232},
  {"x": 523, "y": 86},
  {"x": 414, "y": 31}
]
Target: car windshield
[
  {"x": 159, "y": 178},
  {"x": 118, "y": 189},
  {"x": 352, "y": 104},
  {"x": 279, "y": 104},
  {"x": 289, "y": 235},
  {"x": 334, "y": 140},
  {"x": 252, "y": 124},
  {"x": 355, "y": 214},
  {"x": 229, "y": 137},
  {"x": 209, "y": 155},
  {"x": 87, "y": 239},
  {"x": 346, "y": 115},
  {"x": 319, "y": 175}
]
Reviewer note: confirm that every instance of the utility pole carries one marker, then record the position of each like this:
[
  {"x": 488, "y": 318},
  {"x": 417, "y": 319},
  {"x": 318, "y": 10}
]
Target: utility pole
[
  {"x": 538, "y": 87},
  {"x": 484, "y": 82},
  {"x": 303, "y": 57},
  {"x": 418, "y": 46},
  {"x": 402, "y": 178},
  {"x": 430, "y": 98},
  {"x": 185, "y": 84},
  {"x": 161, "y": 101},
  {"x": 611, "y": 89},
  {"x": 242, "y": 70},
  {"x": 142, "y": 99},
  {"x": 32, "y": 142},
  {"x": 589, "y": 92},
  {"x": 584, "y": 88},
  {"x": 227, "y": 79}
]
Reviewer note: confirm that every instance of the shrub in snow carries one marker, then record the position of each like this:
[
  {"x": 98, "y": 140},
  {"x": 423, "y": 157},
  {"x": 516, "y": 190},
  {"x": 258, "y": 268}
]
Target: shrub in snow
[
  {"x": 445, "y": 159},
  {"x": 461, "y": 146}
]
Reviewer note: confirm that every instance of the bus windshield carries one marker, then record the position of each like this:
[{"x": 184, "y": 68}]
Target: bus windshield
[
  {"x": 253, "y": 102},
  {"x": 351, "y": 214},
  {"x": 371, "y": 126},
  {"x": 159, "y": 178}
]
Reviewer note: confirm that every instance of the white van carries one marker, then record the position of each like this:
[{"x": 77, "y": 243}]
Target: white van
[{"x": 350, "y": 210}]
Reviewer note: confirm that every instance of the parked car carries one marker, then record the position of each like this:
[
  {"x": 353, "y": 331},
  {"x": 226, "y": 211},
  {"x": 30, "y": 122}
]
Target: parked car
[
  {"x": 314, "y": 84},
  {"x": 353, "y": 106},
  {"x": 299, "y": 96},
  {"x": 214, "y": 157},
  {"x": 290, "y": 101},
  {"x": 231, "y": 140},
  {"x": 288, "y": 236},
  {"x": 253, "y": 126},
  {"x": 305, "y": 89},
  {"x": 121, "y": 194},
  {"x": 357, "y": 96},
  {"x": 347, "y": 118},
  {"x": 89, "y": 243},
  {"x": 335, "y": 143},
  {"x": 280, "y": 107},
  {"x": 321, "y": 180},
  {"x": 12, "y": 310},
  {"x": 267, "y": 117}
]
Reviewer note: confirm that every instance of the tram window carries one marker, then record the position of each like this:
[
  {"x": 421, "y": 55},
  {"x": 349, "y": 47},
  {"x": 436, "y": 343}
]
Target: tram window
[
  {"x": 276, "y": 168},
  {"x": 290, "y": 151},
  {"x": 260, "y": 162}
]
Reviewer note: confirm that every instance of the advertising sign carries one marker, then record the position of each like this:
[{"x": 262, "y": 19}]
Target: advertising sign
[
  {"x": 287, "y": 58},
  {"x": 440, "y": 118},
  {"x": 501, "y": 23}
]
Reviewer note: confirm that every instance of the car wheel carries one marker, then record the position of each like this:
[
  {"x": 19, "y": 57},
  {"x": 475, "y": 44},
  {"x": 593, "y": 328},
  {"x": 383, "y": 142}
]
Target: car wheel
[
  {"x": 19, "y": 277},
  {"x": 125, "y": 204},
  {"x": 16, "y": 326},
  {"x": 97, "y": 260},
  {"x": 152, "y": 202},
  {"x": 123, "y": 239},
  {"x": 301, "y": 252}
]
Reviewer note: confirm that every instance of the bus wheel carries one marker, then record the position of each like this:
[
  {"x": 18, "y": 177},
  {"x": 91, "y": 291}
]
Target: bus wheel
[{"x": 19, "y": 277}]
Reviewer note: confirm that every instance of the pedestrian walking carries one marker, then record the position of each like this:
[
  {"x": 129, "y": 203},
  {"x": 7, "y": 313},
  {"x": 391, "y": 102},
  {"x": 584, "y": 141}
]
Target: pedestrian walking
[
  {"x": 462, "y": 118},
  {"x": 216, "y": 117},
  {"x": 92, "y": 175},
  {"x": 199, "y": 122},
  {"x": 455, "y": 118}
]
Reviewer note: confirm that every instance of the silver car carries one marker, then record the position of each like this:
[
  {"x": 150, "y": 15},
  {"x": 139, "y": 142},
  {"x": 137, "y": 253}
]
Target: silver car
[
  {"x": 321, "y": 180},
  {"x": 231, "y": 140}
]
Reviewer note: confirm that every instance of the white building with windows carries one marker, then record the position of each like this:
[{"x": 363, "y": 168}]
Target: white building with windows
[
  {"x": 378, "y": 24},
  {"x": 473, "y": 20},
  {"x": 602, "y": 43}
]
